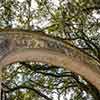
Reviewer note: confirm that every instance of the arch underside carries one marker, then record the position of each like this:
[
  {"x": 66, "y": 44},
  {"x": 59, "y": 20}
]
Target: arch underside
[
  {"x": 56, "y": 58},
  {"x": 34, "y": 46}
]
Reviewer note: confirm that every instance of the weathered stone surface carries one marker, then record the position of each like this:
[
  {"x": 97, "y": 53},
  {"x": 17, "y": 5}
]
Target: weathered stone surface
[{"x": 18, "y": 45}]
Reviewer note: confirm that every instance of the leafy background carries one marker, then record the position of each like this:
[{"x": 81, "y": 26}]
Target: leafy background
[{"x": 75, "y": 21}]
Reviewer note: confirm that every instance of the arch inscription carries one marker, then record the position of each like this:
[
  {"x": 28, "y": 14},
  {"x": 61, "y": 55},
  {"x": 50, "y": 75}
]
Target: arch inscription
[{"x": 20, "y": 45}]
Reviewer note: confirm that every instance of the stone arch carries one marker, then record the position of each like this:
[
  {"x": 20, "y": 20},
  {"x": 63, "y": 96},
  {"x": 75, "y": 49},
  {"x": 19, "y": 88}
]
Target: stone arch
[{"x": 48, "y": 50}]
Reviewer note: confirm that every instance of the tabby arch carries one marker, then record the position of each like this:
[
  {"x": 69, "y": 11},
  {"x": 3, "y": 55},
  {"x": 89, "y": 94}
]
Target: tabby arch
[{"x": 56, "y": 58}]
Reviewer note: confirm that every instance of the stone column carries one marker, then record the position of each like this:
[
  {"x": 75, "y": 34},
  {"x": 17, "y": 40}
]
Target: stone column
[{"x": 4, "y": 50}]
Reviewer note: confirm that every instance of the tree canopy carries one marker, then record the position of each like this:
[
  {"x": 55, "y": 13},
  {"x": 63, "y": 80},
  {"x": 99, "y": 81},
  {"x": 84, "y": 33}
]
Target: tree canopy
[{"x": 75, "y": 21}]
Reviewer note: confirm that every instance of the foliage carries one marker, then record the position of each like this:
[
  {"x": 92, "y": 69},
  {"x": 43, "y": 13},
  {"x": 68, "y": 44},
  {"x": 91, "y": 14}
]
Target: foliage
[
  {"x": 76, "y": 21},
  {"x": 26, "y": 80}
]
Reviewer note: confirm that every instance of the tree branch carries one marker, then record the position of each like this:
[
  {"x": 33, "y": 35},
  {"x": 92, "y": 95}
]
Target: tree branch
[{"x": 26, "y": 87}]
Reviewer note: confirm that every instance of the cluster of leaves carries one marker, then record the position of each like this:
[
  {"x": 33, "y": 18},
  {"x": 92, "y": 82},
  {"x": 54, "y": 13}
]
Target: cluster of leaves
[
  {"x": 76, "y": 21},
  {"x": 27, "y": 80}
]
